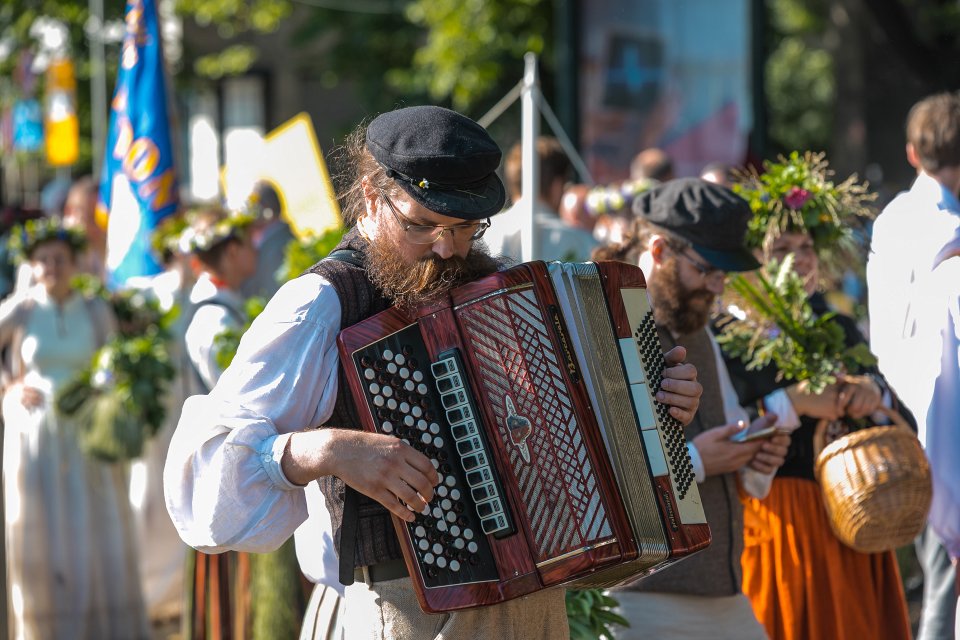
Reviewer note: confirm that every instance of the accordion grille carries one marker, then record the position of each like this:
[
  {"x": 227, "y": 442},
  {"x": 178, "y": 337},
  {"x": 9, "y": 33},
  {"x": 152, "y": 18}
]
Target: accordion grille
[
  {"x": 508, "y": 337},
  {"x": 614, "y": 408}
]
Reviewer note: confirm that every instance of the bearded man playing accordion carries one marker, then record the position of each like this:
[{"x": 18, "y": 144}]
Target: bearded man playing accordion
[{"x": 280, "y": 417}]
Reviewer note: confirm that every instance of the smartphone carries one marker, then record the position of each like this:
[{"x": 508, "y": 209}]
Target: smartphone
[{"x": 763, "y": 433}]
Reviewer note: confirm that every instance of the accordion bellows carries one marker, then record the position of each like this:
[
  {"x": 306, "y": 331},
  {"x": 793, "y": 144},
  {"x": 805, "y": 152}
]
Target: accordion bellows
[{"x": 531, "y": 390}]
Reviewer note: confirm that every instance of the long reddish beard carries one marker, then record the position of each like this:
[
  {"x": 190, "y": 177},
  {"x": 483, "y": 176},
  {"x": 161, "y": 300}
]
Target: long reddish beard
[
  {"x": 675, "y": 306},
  {"x": 411, "y": 285}
]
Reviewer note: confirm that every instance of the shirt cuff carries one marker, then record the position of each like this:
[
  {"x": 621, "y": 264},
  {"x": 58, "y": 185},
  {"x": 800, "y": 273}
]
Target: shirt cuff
[
  {"x": 779, "y": 402},
  {"x": 698, "y": 471},
  {"x": 271, "y": 452}
]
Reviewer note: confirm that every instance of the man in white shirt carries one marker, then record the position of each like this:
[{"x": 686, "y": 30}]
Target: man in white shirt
[
  {"x": 908, "y": 309},
  {"x": 689, "y": 234},
  {"x": 425, "y": 184}
]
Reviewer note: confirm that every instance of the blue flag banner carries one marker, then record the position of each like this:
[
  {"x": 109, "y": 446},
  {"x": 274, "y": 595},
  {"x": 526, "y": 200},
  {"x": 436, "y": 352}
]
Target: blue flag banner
[{"x": 139, "y": 181}]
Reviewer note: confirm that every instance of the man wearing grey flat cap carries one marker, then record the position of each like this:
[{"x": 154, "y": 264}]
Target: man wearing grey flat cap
[
  {"x": 687, "y": 235},
  {"x": 241, "y": 469}
]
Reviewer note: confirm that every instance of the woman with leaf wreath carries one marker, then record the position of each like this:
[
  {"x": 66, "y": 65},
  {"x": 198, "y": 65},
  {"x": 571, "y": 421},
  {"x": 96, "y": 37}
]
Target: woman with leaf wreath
[
  {"x": 803, "y": 582},
  {"x": 71, "y": 556}
]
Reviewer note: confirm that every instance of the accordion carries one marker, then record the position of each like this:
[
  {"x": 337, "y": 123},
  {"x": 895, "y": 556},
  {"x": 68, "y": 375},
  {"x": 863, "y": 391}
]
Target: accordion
[{"x": 532, "y": 392}]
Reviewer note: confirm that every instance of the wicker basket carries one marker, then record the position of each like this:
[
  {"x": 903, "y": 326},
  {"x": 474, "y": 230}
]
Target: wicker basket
[{"x": 876, "y": 486}]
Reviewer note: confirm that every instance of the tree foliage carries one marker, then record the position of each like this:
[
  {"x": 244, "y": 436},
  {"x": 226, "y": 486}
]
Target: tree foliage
[
  {"x": 799, "y": 76},
  {"x": 803, "y": 38},
  {"x": 468, "y": 43}
]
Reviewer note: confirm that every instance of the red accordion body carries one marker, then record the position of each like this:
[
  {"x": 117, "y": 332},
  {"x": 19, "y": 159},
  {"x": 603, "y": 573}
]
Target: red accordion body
[{"x": 531, "y": 390}]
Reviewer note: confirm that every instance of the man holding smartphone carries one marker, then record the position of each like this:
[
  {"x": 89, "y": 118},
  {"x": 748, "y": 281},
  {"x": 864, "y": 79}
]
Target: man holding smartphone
[{"x": 688, "y": 234}]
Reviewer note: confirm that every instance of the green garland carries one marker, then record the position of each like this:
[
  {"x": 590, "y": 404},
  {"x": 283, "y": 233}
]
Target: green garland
[
  {"x": 24, "y": 238},
  {"x": 118, "y": 401},
  {"x": 771, "y": 321}
]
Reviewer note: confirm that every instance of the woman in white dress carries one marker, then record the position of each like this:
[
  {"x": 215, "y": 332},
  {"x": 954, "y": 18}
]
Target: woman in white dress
[{"x": 71, "y": 557}]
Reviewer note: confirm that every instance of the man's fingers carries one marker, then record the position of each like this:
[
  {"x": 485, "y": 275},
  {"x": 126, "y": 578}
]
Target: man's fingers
[
  {"x": 423, "y": 466},
  {"x": 764, "y": 468},
  {"x": 680, "y": 372},
  {"x": 410, "y": 497},
  {"x": 675, "y": 356},
  {"x": 389, "y": 500},
  {"x": 682, "y": 415},
  {"x": 418, "y": 483},
  {"x": 678, "y": 399}
]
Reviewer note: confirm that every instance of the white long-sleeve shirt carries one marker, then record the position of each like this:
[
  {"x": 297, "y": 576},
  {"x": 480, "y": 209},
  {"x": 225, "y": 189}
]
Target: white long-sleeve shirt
[
  {"x": 223, "y": 483},
  {"x": 907, "y": 237}
]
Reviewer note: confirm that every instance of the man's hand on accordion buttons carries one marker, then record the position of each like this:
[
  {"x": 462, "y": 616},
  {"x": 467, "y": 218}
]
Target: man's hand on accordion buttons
[
  {"x": 680, "y": 388},
  {"x": 379, "y": 466}
]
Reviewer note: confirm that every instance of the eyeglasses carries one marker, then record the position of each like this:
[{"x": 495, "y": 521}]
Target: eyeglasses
[
  {"x": 708, "y": 271},
  {"x": 430, "y": 233}
]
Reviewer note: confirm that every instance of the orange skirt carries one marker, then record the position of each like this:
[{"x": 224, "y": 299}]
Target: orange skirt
[{"x": 804, "y": 583}]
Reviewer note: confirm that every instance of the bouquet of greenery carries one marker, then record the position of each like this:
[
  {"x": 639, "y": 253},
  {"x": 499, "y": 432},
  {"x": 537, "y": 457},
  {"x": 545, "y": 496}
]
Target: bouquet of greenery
[
  {"x": 118, "y": 400},
  {"x": 770, "y": 320}
]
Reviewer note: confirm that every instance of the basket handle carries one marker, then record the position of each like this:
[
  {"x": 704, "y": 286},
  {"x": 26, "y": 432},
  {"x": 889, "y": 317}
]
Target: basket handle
[{"x": 892, "y": 415}]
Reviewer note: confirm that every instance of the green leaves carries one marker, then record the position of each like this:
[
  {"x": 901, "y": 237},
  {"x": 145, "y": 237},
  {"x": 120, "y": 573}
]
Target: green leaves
[
  {"x": 118, "y": 401},
  {"x": 300, "y": 255},
  {"x": 774, "y": 323},
  {"x": 590, "y": 614},
  {"x": 470, "y": 44}
]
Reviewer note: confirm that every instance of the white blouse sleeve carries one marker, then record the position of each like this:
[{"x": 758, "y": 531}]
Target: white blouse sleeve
[{"x": 222, "y": 479}]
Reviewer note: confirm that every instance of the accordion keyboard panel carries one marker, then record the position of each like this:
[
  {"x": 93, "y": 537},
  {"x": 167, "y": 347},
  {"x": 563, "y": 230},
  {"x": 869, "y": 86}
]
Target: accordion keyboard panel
[{"x": 403, "y": 396}]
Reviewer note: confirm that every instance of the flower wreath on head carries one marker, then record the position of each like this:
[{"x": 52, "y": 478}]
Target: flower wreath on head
[
  {"x": 797, "y": 194},
  {"x": 26, "y": 237},
  {"x": 203, "y": 234},
  {"x": 166, "y": 235}
]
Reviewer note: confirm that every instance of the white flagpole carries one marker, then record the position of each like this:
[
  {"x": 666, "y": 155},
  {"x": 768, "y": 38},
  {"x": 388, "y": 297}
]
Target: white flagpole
[{"x": 530, "y": 173}]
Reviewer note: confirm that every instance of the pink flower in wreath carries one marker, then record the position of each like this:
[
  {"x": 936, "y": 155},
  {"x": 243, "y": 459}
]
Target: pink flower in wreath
[{"x": 796, "y": 198}]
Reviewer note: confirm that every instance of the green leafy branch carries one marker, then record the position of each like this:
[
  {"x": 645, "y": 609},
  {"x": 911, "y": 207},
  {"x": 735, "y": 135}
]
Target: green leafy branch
[
  {"x": 771, "y": 321},
  {"x": 118, "y": 401},
  {"x": 590, "y": 614}
]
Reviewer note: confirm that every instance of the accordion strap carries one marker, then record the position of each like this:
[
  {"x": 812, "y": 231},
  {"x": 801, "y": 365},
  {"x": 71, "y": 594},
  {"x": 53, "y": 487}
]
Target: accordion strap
[
  {"x": 348, "y": 525},
  {"x": 350, "y": 256}
]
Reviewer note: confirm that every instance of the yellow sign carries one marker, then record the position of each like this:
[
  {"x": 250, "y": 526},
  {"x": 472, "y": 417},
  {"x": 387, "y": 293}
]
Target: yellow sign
[
  {"x": 61, "y": 129},
  {"x": 289, "y": 158}
]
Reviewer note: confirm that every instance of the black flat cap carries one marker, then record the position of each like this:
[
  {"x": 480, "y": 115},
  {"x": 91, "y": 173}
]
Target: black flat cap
[
  {"x": 443, "y": 160},
  {"x": 711, "y": 217}
]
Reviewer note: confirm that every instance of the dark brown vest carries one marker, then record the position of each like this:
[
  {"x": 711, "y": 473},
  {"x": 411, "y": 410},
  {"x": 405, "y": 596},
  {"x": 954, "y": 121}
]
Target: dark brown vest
[
  {"x": 714, "y": 571},
  {"x": 376, "y": 540}
]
